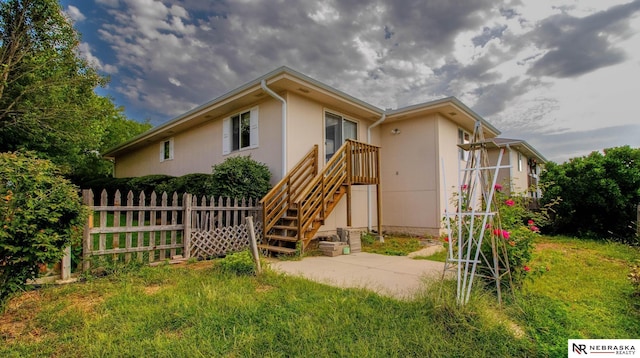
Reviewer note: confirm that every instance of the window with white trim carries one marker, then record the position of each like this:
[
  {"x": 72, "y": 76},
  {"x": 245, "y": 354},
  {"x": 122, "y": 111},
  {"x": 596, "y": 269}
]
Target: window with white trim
[
  {"x": 337, "y": 130},
  {"x": 240, "y": 131},
  {"x": 166, "y": 150},
  {"x": 464, "y": 137}
]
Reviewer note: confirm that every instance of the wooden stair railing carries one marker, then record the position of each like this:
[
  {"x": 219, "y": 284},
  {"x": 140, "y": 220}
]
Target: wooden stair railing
[
  {"x": 293, "y": 213},
  {"x": 276, "y": 205},
  {"x": 355, "y": 163}
]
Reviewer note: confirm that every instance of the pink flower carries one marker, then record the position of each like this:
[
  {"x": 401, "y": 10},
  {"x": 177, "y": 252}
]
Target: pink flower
[
  {"x": 530, "y": 222},
  {"x": 464, "y": 187},
  {"x": 487, "y": 227},
  {"x": 534, "y": 228},
  {"x": 509, "y": 202},
  {"x": 501, "y": 233},
  {"x": 526, "y": 268},
  {"x": 498, "y": 187},
  {"x": 446, "y": 239}
]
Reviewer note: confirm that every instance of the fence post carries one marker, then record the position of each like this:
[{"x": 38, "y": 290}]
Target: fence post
[
  {"x": 65, "y": 267},
  {"x": 87, "y": 199},
  {"x": 187, "y": 225},
  {"x": 253, "y": 244}
]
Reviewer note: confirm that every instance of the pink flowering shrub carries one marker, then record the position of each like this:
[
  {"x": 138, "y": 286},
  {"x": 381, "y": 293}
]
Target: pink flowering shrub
[{"x": 514, "y": 230}]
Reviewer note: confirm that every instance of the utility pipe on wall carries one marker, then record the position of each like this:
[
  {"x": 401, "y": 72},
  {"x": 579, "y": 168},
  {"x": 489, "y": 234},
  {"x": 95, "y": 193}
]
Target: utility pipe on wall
[
  {"x": 263, "y": 84},
  {"x": 377, "y": 123}
]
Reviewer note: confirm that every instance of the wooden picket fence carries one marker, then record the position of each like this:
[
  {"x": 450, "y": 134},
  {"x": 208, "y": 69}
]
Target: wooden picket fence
[{"x": 165, "y": 227}]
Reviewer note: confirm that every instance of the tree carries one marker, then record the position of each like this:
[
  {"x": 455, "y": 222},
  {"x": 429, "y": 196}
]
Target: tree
[
  {"x": 47, "y": 99},
  {"x": 599, "y": 193},
  {"x": 41, "y": 213}
]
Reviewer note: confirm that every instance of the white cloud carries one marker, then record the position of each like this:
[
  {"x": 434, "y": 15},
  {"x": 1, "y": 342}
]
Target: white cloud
[
  {"x": 74, "y": 14},
  {"x": 85, "y": 51},
  {"x": 489, "y": 54}
]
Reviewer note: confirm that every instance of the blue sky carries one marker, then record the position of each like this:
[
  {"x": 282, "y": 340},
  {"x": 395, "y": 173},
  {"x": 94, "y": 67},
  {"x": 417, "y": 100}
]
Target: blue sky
[{"x": 563, "y": 75}]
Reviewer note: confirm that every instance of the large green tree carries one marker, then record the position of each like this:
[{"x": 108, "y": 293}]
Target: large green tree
[
  {"x": 599, "y": 193},
  {"x": 47, "y": 99}
]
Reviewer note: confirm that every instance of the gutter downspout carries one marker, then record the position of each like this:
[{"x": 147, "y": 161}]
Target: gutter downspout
[
  {"x": 263, "y": 84},
  {"x": 377, "y": 123}
]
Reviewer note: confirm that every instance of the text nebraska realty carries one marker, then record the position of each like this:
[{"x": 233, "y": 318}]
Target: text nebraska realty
[{"x": 613, "y": 349}]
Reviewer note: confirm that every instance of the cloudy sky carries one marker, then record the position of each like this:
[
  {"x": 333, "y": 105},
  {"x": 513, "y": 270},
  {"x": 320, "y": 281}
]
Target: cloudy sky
[{"x": 563, "y": 75}]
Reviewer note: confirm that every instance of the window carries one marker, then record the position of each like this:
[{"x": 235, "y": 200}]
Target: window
[
  {"x": 240, "y": 131},
  {"x": 463, "y": 138},
  {"x": 166, "y": 150},
  {"x": 337, "y": 129}
]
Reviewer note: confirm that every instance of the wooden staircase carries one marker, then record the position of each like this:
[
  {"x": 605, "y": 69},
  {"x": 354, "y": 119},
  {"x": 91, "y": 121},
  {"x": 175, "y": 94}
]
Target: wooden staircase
[{"x": 296, "y": 208}]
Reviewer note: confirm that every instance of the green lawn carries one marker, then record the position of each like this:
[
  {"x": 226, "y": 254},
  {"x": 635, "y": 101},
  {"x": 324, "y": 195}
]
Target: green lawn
[{"x": 197, "y": 310}]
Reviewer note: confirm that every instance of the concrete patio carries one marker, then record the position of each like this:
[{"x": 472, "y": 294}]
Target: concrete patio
[{"x": 394, "y": 276}]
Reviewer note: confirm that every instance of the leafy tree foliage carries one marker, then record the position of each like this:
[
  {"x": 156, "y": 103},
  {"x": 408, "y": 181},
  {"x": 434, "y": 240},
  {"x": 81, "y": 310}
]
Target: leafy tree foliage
[
  {"x": 240, "y": 177},
  {"x": 47, "y": 99},
  {"x": 599, "y": 193},
  {"x": 41, "y": 213}
]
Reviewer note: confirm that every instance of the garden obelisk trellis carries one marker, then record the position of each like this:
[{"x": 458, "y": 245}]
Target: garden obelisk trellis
[{"x": 475, "y": 220}]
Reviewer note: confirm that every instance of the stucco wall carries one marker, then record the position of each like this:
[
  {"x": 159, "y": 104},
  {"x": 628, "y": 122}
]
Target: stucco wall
[
  {"x": 199, "y": 148},
  {"x": 409, "y": 174}
]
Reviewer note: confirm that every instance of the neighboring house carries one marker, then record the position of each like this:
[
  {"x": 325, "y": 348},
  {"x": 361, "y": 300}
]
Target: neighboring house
[
  {"x": 279, "y": 118},
  {"x": 525, "y": 163}
]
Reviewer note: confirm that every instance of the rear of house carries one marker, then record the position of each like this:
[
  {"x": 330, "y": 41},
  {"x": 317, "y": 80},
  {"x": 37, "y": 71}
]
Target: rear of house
[{"x": 280, "y": 117}]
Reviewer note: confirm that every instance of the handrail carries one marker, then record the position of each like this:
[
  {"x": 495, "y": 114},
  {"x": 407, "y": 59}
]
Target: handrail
[
  {"x": 278, "y": 200},
  {"x": 353, "y": 163}
]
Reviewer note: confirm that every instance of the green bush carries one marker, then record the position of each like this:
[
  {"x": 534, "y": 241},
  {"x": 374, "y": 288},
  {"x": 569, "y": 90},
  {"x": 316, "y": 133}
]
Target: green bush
[
  {"x": 197, "y": 184},
  {"x": 240, "y": 177},
  {"x": 239, "y": 263},
  {"x": 598, "y": 193},
  {"x": 148, "y": 183},
  {"x": 41, "y": 214}
]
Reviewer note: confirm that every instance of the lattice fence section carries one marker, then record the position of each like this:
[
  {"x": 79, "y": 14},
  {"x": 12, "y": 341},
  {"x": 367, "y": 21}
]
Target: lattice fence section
[
  {"x": 223, "y": 240},
  {"x": 219, "y": 227}
]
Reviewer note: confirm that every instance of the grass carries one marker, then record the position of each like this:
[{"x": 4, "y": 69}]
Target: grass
[
  {"x": 199, "y": 310},
  {"x": 394, "y": 246}
]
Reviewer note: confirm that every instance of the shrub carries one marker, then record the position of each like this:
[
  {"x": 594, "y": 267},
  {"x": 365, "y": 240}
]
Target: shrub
[
  {"x": 41, "y": 214},
  {"x": 240, "y": 263},
  {"x": 148, "y": 183},
  {"x": 240, "y": 177},
  {"x": 197, "y": 184},
  {"x": 599, "y": 194},
  {"x": 513, "y": 230}
]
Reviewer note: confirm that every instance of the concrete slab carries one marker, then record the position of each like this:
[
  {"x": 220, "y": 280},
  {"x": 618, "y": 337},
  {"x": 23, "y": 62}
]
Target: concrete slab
[{"x": 394, "y": 276}]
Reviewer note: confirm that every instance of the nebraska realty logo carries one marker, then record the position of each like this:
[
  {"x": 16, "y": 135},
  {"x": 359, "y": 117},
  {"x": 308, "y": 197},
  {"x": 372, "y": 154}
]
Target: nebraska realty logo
[{"x": 603, "y": 347}]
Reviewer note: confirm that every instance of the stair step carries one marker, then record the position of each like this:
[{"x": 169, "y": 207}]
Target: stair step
[
  {"x": 285, "y": 227},
  {"x": 282, "y": 238},
  {"x": 282, "y": 250}
]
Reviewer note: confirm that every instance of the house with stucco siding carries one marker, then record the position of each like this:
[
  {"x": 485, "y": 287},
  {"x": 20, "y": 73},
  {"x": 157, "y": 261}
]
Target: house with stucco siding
[{"x": 336, "y": 161}]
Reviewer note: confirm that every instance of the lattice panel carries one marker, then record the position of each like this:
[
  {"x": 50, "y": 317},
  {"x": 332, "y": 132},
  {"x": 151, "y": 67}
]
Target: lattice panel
[{"x": 221, "y": 241}]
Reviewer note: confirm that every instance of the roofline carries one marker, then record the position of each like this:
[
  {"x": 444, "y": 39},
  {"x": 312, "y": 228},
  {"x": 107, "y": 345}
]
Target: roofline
[
  {"x": 525, "y": 144},
  {"x": 450, "y": 99},
  {"x": 284, "y": 70}
]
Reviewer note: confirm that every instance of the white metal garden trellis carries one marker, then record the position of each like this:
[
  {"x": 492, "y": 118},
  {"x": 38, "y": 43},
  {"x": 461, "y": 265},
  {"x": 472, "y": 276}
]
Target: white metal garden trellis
[{"x": 475, "y": 217}]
